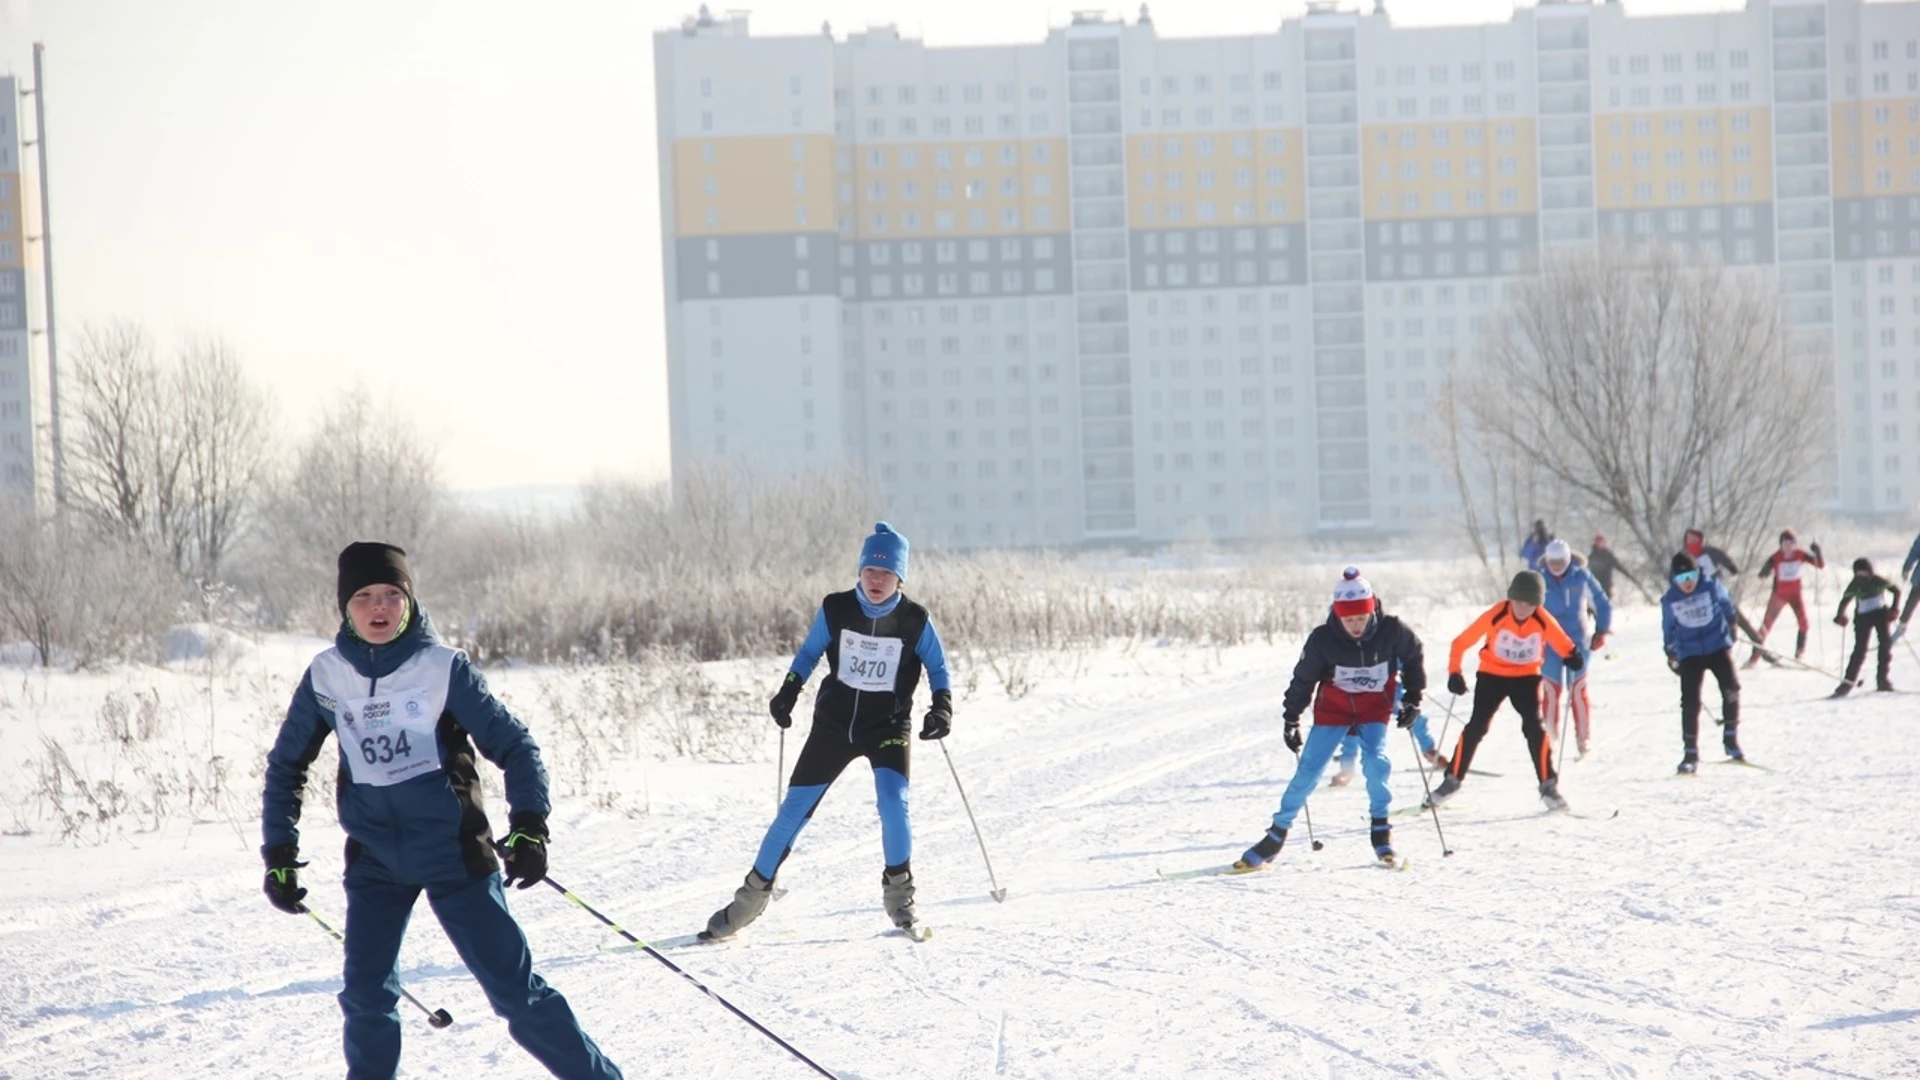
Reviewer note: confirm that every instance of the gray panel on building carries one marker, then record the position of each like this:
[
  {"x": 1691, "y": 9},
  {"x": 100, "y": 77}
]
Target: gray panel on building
[{"x": 757, "y": 265}]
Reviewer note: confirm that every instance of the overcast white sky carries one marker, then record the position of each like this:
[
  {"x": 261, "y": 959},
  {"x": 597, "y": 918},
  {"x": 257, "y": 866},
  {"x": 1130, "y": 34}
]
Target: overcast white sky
[{"x": 452, "y": 201}]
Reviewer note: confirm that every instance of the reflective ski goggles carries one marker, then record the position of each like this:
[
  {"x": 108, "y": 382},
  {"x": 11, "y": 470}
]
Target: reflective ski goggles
[{"x": 1686, "y": 577}]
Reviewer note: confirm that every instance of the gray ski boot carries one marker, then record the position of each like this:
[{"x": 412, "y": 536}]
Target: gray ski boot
[
  {"x": 749, "y": 900},
  {"x": 896, "y": 889}
]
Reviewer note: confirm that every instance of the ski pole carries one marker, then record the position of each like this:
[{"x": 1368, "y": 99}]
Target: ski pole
[
  {"x": 1421, "y": 764},
  {"x": 1440, "y": 743},
  {"x": 1561, "y": 709},
  {"x": 780, "y": 774},
  {"x": 682, "y": 972},
  {"x": 1796, "y": 662},
  {"x": 999, "y": 894},
  {"x": 438, "y": 1018},
  {"x": 1307, "y": 807}
]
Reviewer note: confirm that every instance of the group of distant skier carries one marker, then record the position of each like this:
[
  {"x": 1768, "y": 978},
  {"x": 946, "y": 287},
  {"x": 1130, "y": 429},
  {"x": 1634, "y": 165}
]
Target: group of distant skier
[{"x": 412, "y": 715}]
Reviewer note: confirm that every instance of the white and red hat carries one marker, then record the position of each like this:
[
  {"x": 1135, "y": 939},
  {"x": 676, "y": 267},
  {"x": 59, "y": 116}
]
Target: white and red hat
[{"x": 1353, "y": 596}]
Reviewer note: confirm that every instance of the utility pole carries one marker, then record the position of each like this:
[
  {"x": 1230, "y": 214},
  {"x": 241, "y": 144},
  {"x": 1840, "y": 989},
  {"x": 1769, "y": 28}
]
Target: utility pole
[{"x": 46, "y": 276}]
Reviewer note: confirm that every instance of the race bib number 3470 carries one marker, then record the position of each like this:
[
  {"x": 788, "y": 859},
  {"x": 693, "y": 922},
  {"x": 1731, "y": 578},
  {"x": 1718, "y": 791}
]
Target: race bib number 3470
[{"x": 868, "y": 663}]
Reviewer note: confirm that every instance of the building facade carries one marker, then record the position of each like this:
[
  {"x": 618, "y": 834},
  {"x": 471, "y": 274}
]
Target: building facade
[
  {"x": 1113, "y": 286},
  {"x": 22, "y": 397}
]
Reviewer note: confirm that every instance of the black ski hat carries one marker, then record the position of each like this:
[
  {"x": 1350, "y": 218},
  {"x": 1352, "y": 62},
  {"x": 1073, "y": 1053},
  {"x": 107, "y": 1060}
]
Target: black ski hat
[
  {"x": 1682, "y": 562},
  {"x": 369, "y": 562},
  {"x": 1862, "y": 566}
]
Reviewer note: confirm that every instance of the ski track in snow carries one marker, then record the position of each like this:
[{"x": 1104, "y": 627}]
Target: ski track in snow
[{"x": 1738, "y": 923}]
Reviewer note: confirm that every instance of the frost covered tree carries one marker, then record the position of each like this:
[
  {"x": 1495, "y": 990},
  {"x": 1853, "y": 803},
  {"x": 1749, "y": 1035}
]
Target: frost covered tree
[{"x": 1656, "y": 393}]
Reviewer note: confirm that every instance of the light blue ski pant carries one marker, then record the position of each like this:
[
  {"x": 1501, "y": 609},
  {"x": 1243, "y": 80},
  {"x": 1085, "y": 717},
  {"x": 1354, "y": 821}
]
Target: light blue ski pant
[{"x": 1322, "y": 741}]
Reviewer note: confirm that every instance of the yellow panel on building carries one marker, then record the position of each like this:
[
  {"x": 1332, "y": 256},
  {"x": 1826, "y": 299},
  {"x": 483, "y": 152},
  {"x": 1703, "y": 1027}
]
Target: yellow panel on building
[
  {"x": 1216, "y": 179},
  {"x": 1876, "y": 147},
  {"x": 1715, "y": 156},
  {"x": 753, "y": 184},
  {"x": 1463, "y": 168},
  {"x": 952, "y": 190}
]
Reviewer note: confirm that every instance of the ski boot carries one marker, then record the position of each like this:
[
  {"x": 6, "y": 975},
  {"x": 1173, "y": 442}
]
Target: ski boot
[
  {"x": 1382, "y": 837},
  {"x": 1884, "y": 686},
  {"x": 1585, "y": 748},
  {"x": 749, "y": 901},
  {"x": 1263, "y": 851},
  {"x": 1343, "y": 777},
  {"x": 896, "y": 891},
  {"x": 1448, "y": 786},
  {"x": 1800, "y": 646},
  {"x": 1731, "y": 744},
  {"x": 1689, "y": 763},
  {"x": 1842, "y": 690},
  {"x": 1550, "y": 794}
]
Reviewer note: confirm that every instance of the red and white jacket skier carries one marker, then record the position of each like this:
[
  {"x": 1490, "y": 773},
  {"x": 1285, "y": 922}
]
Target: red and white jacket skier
[{"x": 1786, "y": 566}]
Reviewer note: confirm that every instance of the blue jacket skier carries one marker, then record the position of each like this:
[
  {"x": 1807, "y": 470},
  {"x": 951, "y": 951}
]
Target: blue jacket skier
[
  {"x": 1697, "y": 619},
  {"x": 1907, "y": 568},
  {"x": 1534, "y": 548},
  {"x": 1350, "y": 670},
  {"x": 876, "y": 643},
  {"x": 409, "y": 714},
  {"x": 1570, "y": 591}
]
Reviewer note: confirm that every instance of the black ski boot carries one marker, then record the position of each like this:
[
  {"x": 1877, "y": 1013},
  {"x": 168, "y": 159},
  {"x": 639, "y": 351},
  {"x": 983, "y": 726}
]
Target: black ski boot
[
  {"x": 1842, "y": 690},
  {"x": 1730, "y": 742},
  {"x": 1264, "y": 850},
  {"x": 1689, "y": 762},
  {"x": 1382, "y": 836}
]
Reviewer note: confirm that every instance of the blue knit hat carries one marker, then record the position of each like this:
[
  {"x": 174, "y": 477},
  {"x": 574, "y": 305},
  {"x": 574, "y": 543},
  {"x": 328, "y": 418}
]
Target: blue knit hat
[{"x": 885, "y": 549}]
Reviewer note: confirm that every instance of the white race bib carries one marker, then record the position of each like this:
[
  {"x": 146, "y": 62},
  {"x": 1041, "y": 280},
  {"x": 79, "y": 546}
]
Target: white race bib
[
  {"x": 868, "y": 663},
  {"x": 1695, "y": 611},
  {"x": 1788, "y": 571},
  {"x": 1360, "y": 680},
  {"x": 389, "y": 738},
  {"x": 1515, "y": 649},
  {"x": 1870, "y": 603}
]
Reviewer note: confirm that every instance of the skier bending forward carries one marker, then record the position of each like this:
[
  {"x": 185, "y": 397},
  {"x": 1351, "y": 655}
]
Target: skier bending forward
[{"x": 1347, "y": 668}]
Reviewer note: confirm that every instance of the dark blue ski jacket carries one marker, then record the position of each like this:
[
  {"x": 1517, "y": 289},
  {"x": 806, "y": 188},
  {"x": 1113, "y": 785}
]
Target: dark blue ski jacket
[{"x": 409, "y": 715}]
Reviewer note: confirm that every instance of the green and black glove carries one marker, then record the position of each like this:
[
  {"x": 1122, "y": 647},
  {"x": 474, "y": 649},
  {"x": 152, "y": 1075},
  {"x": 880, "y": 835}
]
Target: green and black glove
[
  {"x": 283, "y": 878},
  {"x": 525, "y": 849}
]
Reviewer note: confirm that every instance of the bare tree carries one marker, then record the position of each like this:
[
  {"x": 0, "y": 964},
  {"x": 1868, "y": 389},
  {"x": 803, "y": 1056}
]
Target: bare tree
[
  {"x": 1658, "y": 392},
  {"x": 91, "y": 594},
  {"x": 124, "y": 463},
  {"x": 224, "y": 426},
  {"x": 364, "y": 473}
]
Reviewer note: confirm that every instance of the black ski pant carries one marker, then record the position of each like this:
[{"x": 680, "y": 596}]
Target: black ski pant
[
  {"x": 1488, "y": 692},
  {"x": 1693, "y": 674},
  {"x": 827, "y": 753},
  {"x": 1872, "y": 622}
]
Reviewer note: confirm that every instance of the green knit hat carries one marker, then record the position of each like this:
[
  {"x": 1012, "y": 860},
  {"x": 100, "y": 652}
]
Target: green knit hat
[{"x": 1528, "y": 588}]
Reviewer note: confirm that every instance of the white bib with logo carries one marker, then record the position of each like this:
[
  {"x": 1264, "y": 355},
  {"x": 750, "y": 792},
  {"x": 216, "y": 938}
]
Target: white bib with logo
[
  {"x": 389, "y": 736},
  {"x": 1695, "y": 611},
  {"x": 868, "y": 663},
  {"x": 1360, "y": 680},
  {"x": 1515, "y": 649},
  {"x": 1788, "y": 571},
  {"x": 1871, "y": 603}
]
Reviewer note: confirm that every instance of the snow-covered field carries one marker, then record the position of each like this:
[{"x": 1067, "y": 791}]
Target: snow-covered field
[{"x": 1742, "y": 923}]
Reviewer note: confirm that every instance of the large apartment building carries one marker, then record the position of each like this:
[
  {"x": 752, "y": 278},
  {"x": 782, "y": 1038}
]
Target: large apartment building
[
  {"x": 1110, "y": 285},
  {"x": 22, "y": 391}
]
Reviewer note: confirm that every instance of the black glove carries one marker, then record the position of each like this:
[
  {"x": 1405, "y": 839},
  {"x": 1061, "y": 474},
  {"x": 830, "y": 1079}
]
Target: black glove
[
  {"x": 781, "y": 707},
  {"x": 1456, "y": 684},
  {"x": 1839, "y": 620},
  {"x": 525, "y": 849},
  {"x": 1291, "y": 733},
  {"x": 1815, "y": 548},
  {"x": 1574, "y": 660},
  {"x": 1673, "y": 663},
  {"x": 283, "y": 879},
  {"x": 939, "y": 718},
  {"x": 1409, "y": 712}
]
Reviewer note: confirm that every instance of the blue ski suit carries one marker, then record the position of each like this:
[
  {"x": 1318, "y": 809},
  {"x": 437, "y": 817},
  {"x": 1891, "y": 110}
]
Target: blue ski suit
[{"x": 409, "y": 716}]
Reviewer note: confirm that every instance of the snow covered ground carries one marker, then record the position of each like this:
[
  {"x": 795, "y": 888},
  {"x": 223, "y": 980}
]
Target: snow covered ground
[{"x": 1742, "y": 923}]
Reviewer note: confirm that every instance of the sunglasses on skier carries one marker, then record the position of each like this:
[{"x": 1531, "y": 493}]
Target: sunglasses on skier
[{"x": 1686, "y": 577}]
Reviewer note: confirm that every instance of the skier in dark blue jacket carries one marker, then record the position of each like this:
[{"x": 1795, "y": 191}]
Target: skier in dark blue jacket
[
  {"x": 1907, "y": 568},
  {"x": 409, "y": 713},
  {"x": 1697, "y": 620},
  {"x": 1350, "y": 671},
  {"x": 876, "y": 643}
]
